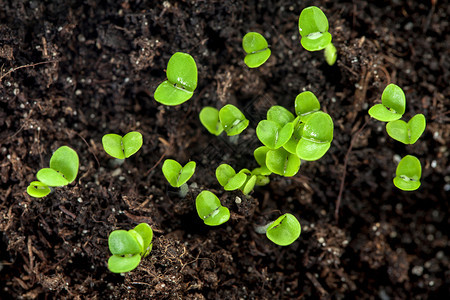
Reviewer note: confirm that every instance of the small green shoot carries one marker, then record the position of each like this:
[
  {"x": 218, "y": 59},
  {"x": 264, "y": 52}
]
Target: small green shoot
[
  {"x": 257, "y": 49},
  {"x": 407, "y": 133},
  {"x": 283, "y": 231},
  {"x": 330, "y": 54},
  {"x": 63, "y": 169},
  {"x": 209, "y": 117},
  {"x": 228, "y": 178},
  {"x": 210, "y": 210},
  {"x": 181, "y": 80},
  {"x": 176, "y": 174},
  {"x": 282, "y": 162},
  {"x": 38, "y": 189},
  {"x": 129, "y": 247},
  {"x": 306, "y": 103},
  {"x": 392, "y": 107},
  {"x": 232, "y": 119},
  {"x": 408, "y": 173},
  {"x": 260, "y": 155},
  {"x": 316, "y": 136},
  {"x": 272, "y": 134},
  {"x": 122, "y": 147}
]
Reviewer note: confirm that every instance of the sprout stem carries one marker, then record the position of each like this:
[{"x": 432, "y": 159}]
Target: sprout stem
[
  {"x": 234, "y": 139},
  {"x": 263, "y": 228},
  {"x": 184, "y": 189}
]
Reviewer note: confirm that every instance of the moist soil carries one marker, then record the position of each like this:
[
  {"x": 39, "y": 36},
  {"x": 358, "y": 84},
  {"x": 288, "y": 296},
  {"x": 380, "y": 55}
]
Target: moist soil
[{"x": 73, "y": 71}]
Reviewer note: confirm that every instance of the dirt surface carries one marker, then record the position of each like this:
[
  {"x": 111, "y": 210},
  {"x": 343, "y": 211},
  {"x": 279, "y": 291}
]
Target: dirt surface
[{"x": 72, "y": 72}]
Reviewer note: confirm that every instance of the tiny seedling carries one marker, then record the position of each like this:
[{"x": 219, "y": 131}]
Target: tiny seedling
[
  {"x": 122, "y": 147},
  {"x": 210, "y": 210},
  {"x": 408, "y": 173},
  {"x": 177, "y": 175},
  {"x": 392, "y": 107},
  {"x": 229, "y": 179},
  {"x": 232, "y": 119},
  {"x": 260, "y": 155},
  {"x": 272, "y": 134},
  {"x": 257, "y": 49},
  {"x": 313, "y": 27},
  {"x": 283, "y": 231},
  {"x": 407, "y": 133},
  {"x": 209, "y": 117},
  {"x": 129, "y": 247},
  {"x": 181, "y": 80},
  {"x": 38, "y": 189},
  {"x": 282, "y": 162},
  {"x": 63, "y": 169},
  {"x": 316, "y": 136},
  {"x": 306, "y": 103}
]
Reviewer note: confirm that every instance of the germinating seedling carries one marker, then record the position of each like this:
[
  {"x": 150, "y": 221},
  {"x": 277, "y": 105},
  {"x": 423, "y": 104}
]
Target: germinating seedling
[
  {"x": 232, "y": 119},
  {"x": 407, "y": 133},
  {"x": 181, "y": 80},
  {"x": 282, "y": 162},
  {"x": 283, "y": 231},
  {"x": 230, "y": 180},
  {"x": 177, "y": 175},
  {"x": 257, "y": 49},
  {"x": 313, "y": 27},
  {"x": 392, "y": 107},
  {"x": 408, "y": 174},
  {"x": 129, "y": 247},
  {"x": 277, "y": 129},
  {"x": 210, "y": 210},
  {"x": 122, "y": 147},
  {"x": 209, "y": 117}
]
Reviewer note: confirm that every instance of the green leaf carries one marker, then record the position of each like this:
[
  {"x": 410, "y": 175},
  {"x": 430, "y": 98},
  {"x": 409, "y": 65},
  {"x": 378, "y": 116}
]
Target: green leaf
[
  {"x": 38, "y": 189},
  {"x": 146, "y": 232},
  {"x": 306, "y": 103},
  {"x": 209, "y": 117},
  {"x": 123, "y": 242},
  {"x": 407, "y": 133},
  {"x": 317, "y": 135},
  {"x": 282, "y": 162},
  {"x": 249, "y": 184},
  {"x": 280, "y": 115},
  {"x": 65, "y": 161},
  {"x": 181, "y": 80},
  {"x": 132, "y": 142},
  {"x": 260, "y": 154},
  {"x": 313, "y": 27},
  {"x": 284, "y": 230},
  {"x": 408, "y": 174},
  {"x": 330, "y": 54},
  {"x": 228, "y": 178},
  {"x": 122, "y": 264},
  {"x": 272, "y": 134},
  {"x": 393, "y": 105},
  {"x": 232, "y": 120},
  {"x": 51, "y": 177},
  {"x": 177, "y": 175},
  {"x": 112, "y": 144},
  {"x": 256, "y": 47},
  {"x": 210, "y": 210}
]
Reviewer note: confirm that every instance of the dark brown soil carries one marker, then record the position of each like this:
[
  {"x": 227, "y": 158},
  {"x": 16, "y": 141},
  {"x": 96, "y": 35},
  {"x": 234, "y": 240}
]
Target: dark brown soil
[{"x": 72, "y": 71}]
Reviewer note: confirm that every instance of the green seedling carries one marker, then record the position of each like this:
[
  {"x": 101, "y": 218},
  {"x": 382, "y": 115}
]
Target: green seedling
[
  {"x": 306, "y": 103},
  {"x": 230, "y": 180},
  {"x": 38, "y": 189},
  {"x": 177, "y": 175},
  {"x": 209, "y": 117},
  {"x": 232, "y": 119},
  {"x": 260, "y": 178},
  {"x": 260, "y": 155},
  {"x": 407, "y": 133},
  {"x": 280, "y": 115},
  {"x": 181, "y": 80},
  {"x": 408, "y": 174},
  {"x": 63, "y": 169},
  {"x": 129, "y": 247},
  {"x": 272, "y": 134},
  {"x": 282, "y": 162},
  {"x": 316, "y": 136},
  {"x": 283, "y": 231},
  {"x": 122, "y": 147},
  {"x": 392, "y": 107},
  {"x": 249, "y": 183},
  {"x": 313, "y": 27},
  {"x": 210, "y": 210},
  {"x": 257, "y": 49}
]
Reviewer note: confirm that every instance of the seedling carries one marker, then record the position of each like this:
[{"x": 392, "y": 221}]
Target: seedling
[
  {"x": 122, "y": 147},
  {"x": 181, "y": 80},
  {"x": 277, "y": 129},
  {"x": 209, "y": 117},
  {"x": 316, "y": 136},
  {"x": 306, "y": 103},
  {"x": 313, "y": 27},
  {"x": 232, "y": 119},
  {"x": 210, "y": 210},
  {"x": 408, "y": 174},
  {"x": 407, "y": 133},
  {"x": 392, "y": 107},
  {"x": 260, "y": 155},
  {"x": 38, "y": 189},
  {"x": 283, "y": 231},
  {"x": 282, "y": 162},
  {"x": 257, "y": 49},
  {"x": 129, "y": 247},
  {"x": 230, "y": 180},
  {"x": 177, "y": 175},
  {"x": 63, "y": 169}
]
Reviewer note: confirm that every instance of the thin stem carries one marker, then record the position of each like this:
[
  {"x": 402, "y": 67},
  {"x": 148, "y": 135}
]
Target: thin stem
[
  {"x": 234, "y": 139},
  {"x": 263, "y": 228},
  {"x": 184, "y": 189}
]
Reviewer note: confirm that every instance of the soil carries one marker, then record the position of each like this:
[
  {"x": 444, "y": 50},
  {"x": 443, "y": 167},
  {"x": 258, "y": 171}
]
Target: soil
[{"x": 73, "y": 71}]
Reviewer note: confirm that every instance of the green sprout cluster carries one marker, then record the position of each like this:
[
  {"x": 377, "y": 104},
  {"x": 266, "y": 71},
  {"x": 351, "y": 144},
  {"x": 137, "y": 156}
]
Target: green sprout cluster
[
  {"x": 257, "y": 49},
  {"x": 129, "y": 247},
  {"x": 244, "y": 180},
  {"x": 229, "y": 119},
  {"x": 390, "y": 110},
  {"x": 210, "y": 210},
  {"x": 63, "y": 170},
  {"x": 313, "y": 27},
  {"x": 122, "y": 147}
]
